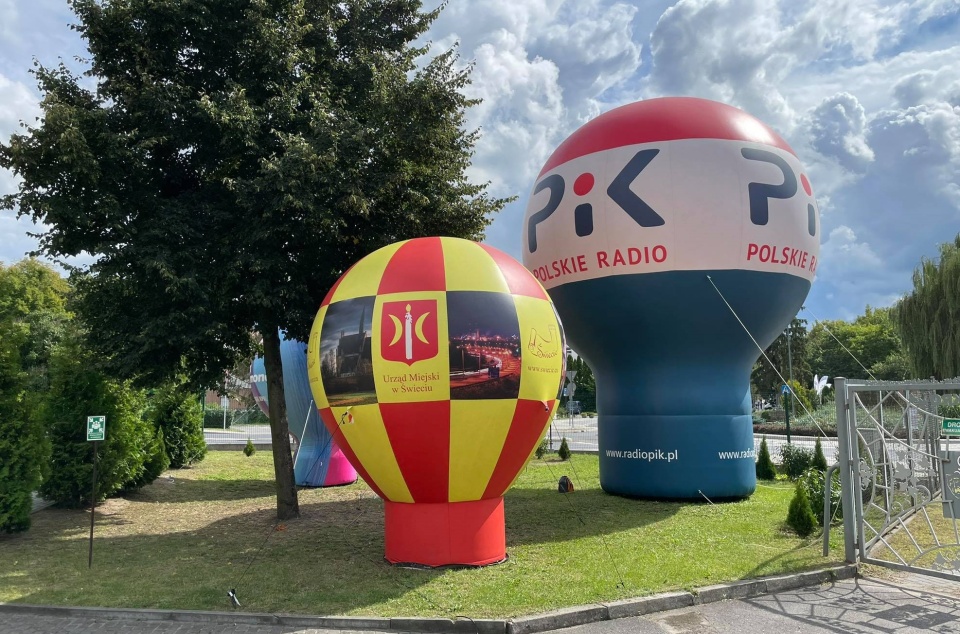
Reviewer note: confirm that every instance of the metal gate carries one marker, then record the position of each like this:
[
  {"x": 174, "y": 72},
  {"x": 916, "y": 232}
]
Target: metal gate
[{"x": 900, "y": 475}]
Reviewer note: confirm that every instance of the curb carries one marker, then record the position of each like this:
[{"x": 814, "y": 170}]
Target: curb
[{"x": 557, "y": 619}]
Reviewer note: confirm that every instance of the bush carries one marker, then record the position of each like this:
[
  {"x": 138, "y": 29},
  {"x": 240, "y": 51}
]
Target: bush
[
  {"x": 542, "y": 448},
  {"x": 950, "y": 407},
  {"x": 795, "y": 460},
  {"x": 23, "y": 449},
  {"x": 773, "y": 415},
  {"x": 819, "y": 461},
  {"x": 78, "y": 390},
  {"x": 177, "y": 412},
  {"x": 813, "y": 481},
  {"x": 156, "y": 463},
  {"x": 564, "y": 450},
  {"x": 249, "y": 449},
  {"x": 799, "y": 516},
  {"x": 765, "y": 468},
  {"x": 213, "y": 417}
]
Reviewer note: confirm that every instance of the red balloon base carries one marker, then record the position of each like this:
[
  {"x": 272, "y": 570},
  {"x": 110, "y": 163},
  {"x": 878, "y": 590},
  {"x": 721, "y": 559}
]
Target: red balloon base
[{"x": 445, "y": 533}]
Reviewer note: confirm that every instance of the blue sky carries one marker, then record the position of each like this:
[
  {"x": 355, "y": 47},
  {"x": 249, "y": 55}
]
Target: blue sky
[{"x": 867, "y": 93}]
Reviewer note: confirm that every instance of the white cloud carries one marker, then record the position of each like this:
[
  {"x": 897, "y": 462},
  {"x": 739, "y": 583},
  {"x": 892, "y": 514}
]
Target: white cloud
[
  {"x": 542, "y": 69},
  {"x": 842, "y": 251},
  {"x": 17, "y": 103},
  {"x": 837, "y": 129}
]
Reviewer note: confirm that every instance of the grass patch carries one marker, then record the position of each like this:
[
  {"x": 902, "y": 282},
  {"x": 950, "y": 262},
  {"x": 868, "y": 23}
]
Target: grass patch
[
  {"x": 926, "y": 539},
  {"x": 183, "y": 543}
]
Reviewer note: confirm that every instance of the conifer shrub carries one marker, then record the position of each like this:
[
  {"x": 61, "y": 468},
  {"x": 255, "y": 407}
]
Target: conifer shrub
[
  {"x": 766, "y": 470},
  {"x": 564, "y": 450},
  {"x": 542, "y": 448},
  {"x": 249, "y": 449},
  {"x": 800, "y": 517},
  {"x": 819, "y": 460},
  {"x": 178, "y": 413},
  {"x": 156, "y": 463}
]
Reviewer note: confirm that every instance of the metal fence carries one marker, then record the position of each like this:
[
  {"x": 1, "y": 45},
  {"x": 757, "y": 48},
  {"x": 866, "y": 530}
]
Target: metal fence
[
  {"x": 238, "y": 434},
  {"x": 580, "y": 432}
]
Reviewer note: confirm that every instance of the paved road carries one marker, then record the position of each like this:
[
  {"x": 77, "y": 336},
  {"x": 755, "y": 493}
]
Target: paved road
[
  {"x": 895, "y": 603},
  {"x": 902, "y": 603}
]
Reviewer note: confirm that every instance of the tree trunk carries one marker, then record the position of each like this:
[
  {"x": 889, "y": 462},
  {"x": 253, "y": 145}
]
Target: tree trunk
[{"x": 287, "y": 505}]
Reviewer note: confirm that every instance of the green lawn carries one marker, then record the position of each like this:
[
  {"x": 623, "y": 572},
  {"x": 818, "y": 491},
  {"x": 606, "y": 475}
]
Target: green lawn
[{"x": 184, "y": 543}]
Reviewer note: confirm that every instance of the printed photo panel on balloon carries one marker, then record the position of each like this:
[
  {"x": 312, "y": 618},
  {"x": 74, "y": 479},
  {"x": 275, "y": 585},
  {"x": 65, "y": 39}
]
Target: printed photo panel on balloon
[
  {"x": 346, "y": 353},
  {"x": 544, "y": 349},
  {"x": 313, "y": 360},
  {"x": 410, "y": 363},
  {"x": 485, "y": 345}
]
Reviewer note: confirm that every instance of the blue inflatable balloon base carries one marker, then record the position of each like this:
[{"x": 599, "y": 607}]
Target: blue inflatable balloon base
[{"x": 677, "y": 457}]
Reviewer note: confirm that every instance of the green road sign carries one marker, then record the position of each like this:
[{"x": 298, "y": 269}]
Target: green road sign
[
  {"x": 97, "y": 427},
  {"x": 951, "y": 426}
]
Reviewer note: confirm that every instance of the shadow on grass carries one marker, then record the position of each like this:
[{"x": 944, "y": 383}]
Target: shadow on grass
[
  {"x": 174, "y": 490},
  {"x": 761, "y": 569},
  {"x": 536, "y": 516},
  {"x": 329, "y": 561}
]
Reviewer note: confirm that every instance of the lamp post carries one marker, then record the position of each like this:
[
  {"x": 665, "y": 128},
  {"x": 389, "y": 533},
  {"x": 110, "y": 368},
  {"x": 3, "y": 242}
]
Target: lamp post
[{"x": 790, "y": 383}]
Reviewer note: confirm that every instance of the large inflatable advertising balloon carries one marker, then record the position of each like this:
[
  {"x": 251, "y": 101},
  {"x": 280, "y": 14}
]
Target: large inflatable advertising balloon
[
  {"x": 643, "y": 225},
  {"x": 436, "y": 364},
  {"x": 319, "y": 462}
]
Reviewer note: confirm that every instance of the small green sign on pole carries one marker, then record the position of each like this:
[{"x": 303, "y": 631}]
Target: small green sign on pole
[
  {"x": 951, "y": 426},
  {"x": 96, "y": 427},
  {"x": 96, "y": 431}
]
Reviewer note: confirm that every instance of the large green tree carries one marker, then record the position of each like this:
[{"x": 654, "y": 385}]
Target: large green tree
[
  {"x": 869, "y": 345},
  {"x": 928, "y": 319},
  {"x": 780, "y": 354},
  {"x": 586, "y": 392},
  {"x": 227, "y": 160}
]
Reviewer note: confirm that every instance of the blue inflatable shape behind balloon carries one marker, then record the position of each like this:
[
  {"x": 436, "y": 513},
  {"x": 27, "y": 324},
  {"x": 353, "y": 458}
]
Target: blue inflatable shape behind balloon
[{"x": 319, "y": 461}]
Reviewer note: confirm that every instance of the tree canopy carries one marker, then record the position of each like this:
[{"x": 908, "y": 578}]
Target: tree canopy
[
  {"x": 871, "y": 338},
  {"x": 928, "y": 319},
  {"x": 780, "y": 353},
  {"x": 226, "y": 160}
]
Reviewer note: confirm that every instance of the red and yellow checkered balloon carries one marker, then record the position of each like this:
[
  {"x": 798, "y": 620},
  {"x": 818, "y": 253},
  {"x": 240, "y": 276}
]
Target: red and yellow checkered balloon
[{"x": 437, "y": 363}]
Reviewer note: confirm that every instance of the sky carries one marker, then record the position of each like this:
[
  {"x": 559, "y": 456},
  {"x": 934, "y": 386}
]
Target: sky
[{"x": 866, "y": 92}]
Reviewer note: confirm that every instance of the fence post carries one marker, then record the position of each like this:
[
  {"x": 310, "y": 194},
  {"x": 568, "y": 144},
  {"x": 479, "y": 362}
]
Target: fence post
[{"x": 847, "y": 500}]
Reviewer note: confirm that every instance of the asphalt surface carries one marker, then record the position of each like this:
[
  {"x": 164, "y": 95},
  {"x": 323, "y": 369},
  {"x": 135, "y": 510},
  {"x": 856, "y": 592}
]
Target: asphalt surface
[
  {"x": 895, "y": 602},
  {"x": 901, "y": 603}
]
